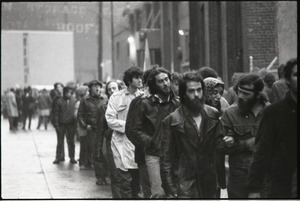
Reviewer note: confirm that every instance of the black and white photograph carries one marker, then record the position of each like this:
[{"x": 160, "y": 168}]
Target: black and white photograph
[{"x": 105, "y": 100}]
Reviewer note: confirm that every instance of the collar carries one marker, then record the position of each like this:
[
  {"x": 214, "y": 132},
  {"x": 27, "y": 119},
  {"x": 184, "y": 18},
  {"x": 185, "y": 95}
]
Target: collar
[
  {"x": 136, "y": 93},
  {"x": 160, "y": 100},
  {"x": 95, "y": 97}
]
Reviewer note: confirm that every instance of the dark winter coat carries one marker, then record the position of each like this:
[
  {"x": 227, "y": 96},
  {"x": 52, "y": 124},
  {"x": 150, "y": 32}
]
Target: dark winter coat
[
  {"x": 63, "y": 113},
  {"x": 276, "y": 151},
  {"x": 190, "y": 152},
  {"x": 88, "y": 111}
]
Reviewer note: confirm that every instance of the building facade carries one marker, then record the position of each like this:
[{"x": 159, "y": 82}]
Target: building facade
[
  {"x": 81, "y": 18},
  {"x": 222, "y": 35}
]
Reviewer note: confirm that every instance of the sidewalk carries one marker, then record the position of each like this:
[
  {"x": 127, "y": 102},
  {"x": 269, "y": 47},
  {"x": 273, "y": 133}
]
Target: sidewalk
[{"x": 27, "y": 171}]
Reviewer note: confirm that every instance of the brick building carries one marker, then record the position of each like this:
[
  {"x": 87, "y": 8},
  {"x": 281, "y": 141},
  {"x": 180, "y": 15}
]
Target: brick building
[{"x": 222, "y": 35}]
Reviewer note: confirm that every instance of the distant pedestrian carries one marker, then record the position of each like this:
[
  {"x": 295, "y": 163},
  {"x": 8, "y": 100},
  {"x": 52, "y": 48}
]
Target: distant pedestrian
[
  {"x": 279, "y": 87},
  {"x": 275, "y": 158},
  {"x": 12, "y": 109},
  {"x": 44, "y": 105},
  {"x": 65, "y": 124},
  {"x": 87, "y": 120},
  {"x": 175, "y": 77},
  {"x": 55, "y": 94},
  {"x": 269, "y": 79},
  {"x": 231, "y": 94},
  {"x": 80, "y": 92},
  {"x": 123, "y": 150},
  {"x": 28, "y": 107}
]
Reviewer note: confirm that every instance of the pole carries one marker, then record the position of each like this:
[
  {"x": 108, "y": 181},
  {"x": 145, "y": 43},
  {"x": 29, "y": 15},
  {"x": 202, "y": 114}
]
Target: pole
[
  {"x": 112, "y": 39},
  {"x": 100, "y": 43},
  {"x": 251, "y": 63}
]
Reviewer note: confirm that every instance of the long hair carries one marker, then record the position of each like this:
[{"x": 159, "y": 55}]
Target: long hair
[
  {"x": 187, "y": 77},
  {"x": 151, "y": 81}
]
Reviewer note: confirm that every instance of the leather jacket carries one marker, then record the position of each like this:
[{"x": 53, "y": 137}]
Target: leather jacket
[
  {"x": 187, "y": 153},
  {"x": 146, "y": 121},
  {"x": 88, "y": 111}
]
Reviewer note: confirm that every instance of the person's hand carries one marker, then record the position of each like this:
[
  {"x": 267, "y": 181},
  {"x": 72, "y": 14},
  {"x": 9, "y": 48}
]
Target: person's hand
[
  {"x": 254, "y": 195},
  {"x": 251, "y": 143},
  {"x": 88, "y": 127},
  {"x": 229, "y": 141},
  {"x": 172, "y": 196}
]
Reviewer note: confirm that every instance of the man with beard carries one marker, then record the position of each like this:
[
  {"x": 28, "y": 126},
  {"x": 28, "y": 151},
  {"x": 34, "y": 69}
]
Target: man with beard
[
  {"x": 275, "y": 156},
  {"x": 151, "y": 109},
  {"x": 188, "y": 143},
  {"x": 239, "y": 127},
  {"x": 87, "y": 119}
]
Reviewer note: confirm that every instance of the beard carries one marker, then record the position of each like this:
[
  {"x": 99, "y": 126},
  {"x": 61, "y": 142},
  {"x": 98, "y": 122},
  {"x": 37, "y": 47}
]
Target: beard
[
  {"x": 246, "y": 106},
  {"x": 164, "y": 91},
  {"x": 195, "y": 106}
]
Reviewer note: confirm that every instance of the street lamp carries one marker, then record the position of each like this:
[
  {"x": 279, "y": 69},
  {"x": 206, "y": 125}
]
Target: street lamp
[
  {"x": 130, "y": 39},
  {"x": 181, "y": 32}
]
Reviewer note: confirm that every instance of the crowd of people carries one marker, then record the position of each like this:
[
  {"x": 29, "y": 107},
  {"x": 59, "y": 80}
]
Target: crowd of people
[
  {"x": 165, "y": 135},
  {"x": 18, "y": 105}
]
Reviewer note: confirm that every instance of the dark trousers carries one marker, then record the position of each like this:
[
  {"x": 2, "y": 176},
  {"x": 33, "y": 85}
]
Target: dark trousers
[
  {"x": 25, "y": 116},
  {"x": 144, "y": 180},
  {"x": 101, "y": 167},
  {"x": 69, "y": 130},
  {"x": 43, "y": 119},
  {"x": 87, "y": 148},
  {"x": 83, "y": 151},
  {"x": 13, "y": 123},
  {"x": 128, "y": 183},
  {"x": 112, "y": 170}
]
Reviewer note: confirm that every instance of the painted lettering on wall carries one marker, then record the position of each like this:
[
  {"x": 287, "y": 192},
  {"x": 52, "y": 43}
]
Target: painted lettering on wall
[{"x": 76, "y": 27}]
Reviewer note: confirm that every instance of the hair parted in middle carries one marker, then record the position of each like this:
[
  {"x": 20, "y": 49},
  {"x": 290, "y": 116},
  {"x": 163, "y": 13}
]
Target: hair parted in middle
[
  {"x": 151, "y": 81},
  {"x": 188, "y": 77},
  {"x": 132, "y": 72}
]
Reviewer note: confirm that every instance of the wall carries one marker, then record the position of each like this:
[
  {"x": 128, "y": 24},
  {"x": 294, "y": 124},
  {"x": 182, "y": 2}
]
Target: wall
[
  {"x": 54, "y": 62},
  {"x": 287, "y": 30},
  {"x": 12, "y": 72},
  {"x": 259, "y": 32},
  {"x": 79, "y": 17}
]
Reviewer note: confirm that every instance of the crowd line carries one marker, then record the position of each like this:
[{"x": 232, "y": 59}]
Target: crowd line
[{"x": 158, "y": 134}]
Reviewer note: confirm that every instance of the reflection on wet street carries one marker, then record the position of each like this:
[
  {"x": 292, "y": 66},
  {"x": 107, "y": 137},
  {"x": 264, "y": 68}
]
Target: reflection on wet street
[{"x": 27, "y": 171}]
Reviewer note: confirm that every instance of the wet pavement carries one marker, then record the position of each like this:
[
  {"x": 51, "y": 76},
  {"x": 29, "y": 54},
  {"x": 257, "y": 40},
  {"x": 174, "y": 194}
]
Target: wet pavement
[{"x": 27, "y": 171}]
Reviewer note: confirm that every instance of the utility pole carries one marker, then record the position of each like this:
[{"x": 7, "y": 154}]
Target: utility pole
[
  {"x": 100, "y": 43},
  {"x": 194, "y": 35},
  {"x": 112, "y": 38}
]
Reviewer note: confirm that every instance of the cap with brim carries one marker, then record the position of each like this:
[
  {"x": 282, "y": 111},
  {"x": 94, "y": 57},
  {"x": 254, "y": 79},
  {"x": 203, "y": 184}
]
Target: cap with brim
[{"x": 94, "y": 82}]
